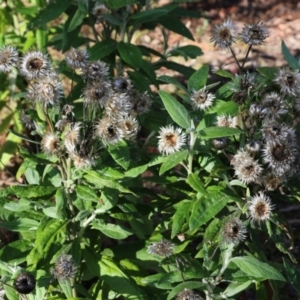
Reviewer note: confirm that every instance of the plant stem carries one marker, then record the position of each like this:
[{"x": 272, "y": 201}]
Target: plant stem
[
  {"x": 246, "y": 57},
  {"x": 235, "y": 58}
]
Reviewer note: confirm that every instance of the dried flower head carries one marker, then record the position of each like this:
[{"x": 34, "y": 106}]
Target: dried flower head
[
  {"x": 122, "y": 85},
  {"x": 62, "y": 123},
  {"x": 72, "y": 137},
  {"x": 27, "y": 121},
  {"x": 273, "y": 105},
  {"x": 255, "y": 110},
  {"x": 64, "y": 268},
  {"x": 223, "y": 35},
  {"x": 68, "y": 110},
  {"x": 226, "y": 121},
  {"x": 289, "y": 81},
  {"x": 34, "y": 64},
  {"x": 163, "y": 248},
  {"x": 188, "y": 295},
  {"x": 96, "y": 70},
  {"x": 170, "y": 140},
  {"x": 254, "y": 34},
  {"x": 272, "y": 181},
  {"x": 25, "y": 283},
  {"x": 96, "y": 93},
  {"x": 233, "y": 231},
  {"x": 77, "y": 58},
  {"x": 253, "y": 147},
  {"x": 202, "y": 99},
  {"x": 47, "y": 90},
  {"x": 281, "y": 157},
  {"x": 99, "y": 10},
  {"x": 82, "y": 162},
  {"x": 130, "y": 127},
  {"x": 141, "y": 103},
  {"x": 108, "y": 129},
  {"x": 50, "y": 144},
  {"x": 118, "y": 104},
  {"x": 239, "y": 157},
  {"x": 260, "y": 207},
  {"x": 8, "y": 58},
  {"x": 221, "y": 143},
  {"x": 248, "y": 170}
]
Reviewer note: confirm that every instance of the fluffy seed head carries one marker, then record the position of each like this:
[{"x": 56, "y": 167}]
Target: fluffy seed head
[
  {"x": 163, "y": 248},
  {"x": 233, "y": 231},
  {"x": 82, "y": 162},
  {"x": 170, "y": 140},
  {"x": 99, "y": 10},
  {"x": 255, "y": 110},
  {"x": 34, "y": 64},
  {"x": 141, "y": 103},
  {"x": 202, "y": 99},
  {"x": 272, "y": 181},
  {"x": 260, "y": 208},
  {"x": 273, "y": 105},
  {"x": 223, "y": 35},
  {"x": 253, "y": 147},
  {"x": 118, "y": 104},
  {"x": 72, "y": 137},
  {"x": 77, "y": 58},
  {"x": 289, "y": 81},
  {"x": 254, "y": 34},
  {"x": 95, "y": 70},
  {"x": 8, "y": 58},
  {"x": 188, "y": 295},
  {"x": 47, "y": 90},
  {"x": 248, "y": 170},
  {"x": 108, "y": 129},
  {"x": 239, "y": 157},
  {"x": 27, "y": 121},
  {"x": 221, "y": 143},
  {"x": 122, "y": 85},
  {"x": 64, "y": 268},
  {"x": 50, "y": 144},
  {"x": 226, "y": 121},
  {"x": 130, "y": 127}
]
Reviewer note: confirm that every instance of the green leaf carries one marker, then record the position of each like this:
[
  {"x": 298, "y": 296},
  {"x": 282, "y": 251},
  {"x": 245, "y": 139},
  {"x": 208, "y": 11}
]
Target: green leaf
[
  {"x": 131, "y": 54},
  {"x": 268, "y": 72},
  {"x": 134, "y": 172},
  {"x": 225, "y": 91},
  {"x": 291, "y": 60},
  {"x": 237, "y": 287},
  {"x": 180, "y": 217},
  {"x": 52, "y": 11},
  {"x": 198, "y": 80},
  {"x": 173, "y": 24},
  {"x": 225, "y": 74},
  {"x": 116, "y": 4},
  {"x": 100, "y": 181},
  {"x": 217, "y": 132},
  {"x": 47, "y": 232},
  {"x": 257, "y": 269},
  {"x": 86, "y": 193},
  {"x": 176, "y": 110},
  {"x": 190, "y": 285},
  {"x": 102, "y": 49},
  {"x": 186, "y": 71},
  {"x": 116, "y": 278},
  {"x": 293, "y": 274},
  {"x": 186, "y": 51},
  {"x": 172, "y": 160},
  {"x": 20, "y": 225},
  {"x": 204, "y": 209},
  {"x": 32, "y": 191},
  {"x": 194, "y": 181},
  {"x": 172, "y": 80},
  {"x": 76, "y": 20},
  {"x": 120, "y": 153},
  {"x": 111, "y": 230},
  {"x": 60, "y": 203}
]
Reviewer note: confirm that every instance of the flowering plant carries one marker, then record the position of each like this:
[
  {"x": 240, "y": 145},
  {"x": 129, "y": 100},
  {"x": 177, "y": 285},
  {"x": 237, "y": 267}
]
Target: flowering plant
[{"x": 119, "y": 204}]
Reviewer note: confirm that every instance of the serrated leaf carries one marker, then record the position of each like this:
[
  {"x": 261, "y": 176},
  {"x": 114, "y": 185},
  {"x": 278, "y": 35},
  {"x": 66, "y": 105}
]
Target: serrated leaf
[
  {"x": 291, "y": 60},
  {"x": 52, "y": 11},
  {"x": 204, "y": 209},
  {"x": 76, "y": 20},
  {"x": 196, "y": 184},
  {"x": 257, "y": 269},
  {"x": 112, "y": 230},
  {"x": 172, "y": 80},
  {"x": 176, "y": 110},
  {"x": 172, "y": 160},
  {"x": 47, "y": 232},
  {"x": 180, "y": 217},
  {"x": 102, "y": 49},
  {"x": 190, "y": 285},
  {"x": 131, "y": 54},
  {"x": 99, "y": 181},
  {"x": 217, "y": 132},
  {"x": 32, "y": 191},
  {"x": 173, "y": 24},
  {"x": 237, "y": 287},
  {"x": 198, "y": 80},
  {"x": 120, "y": 153}
]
